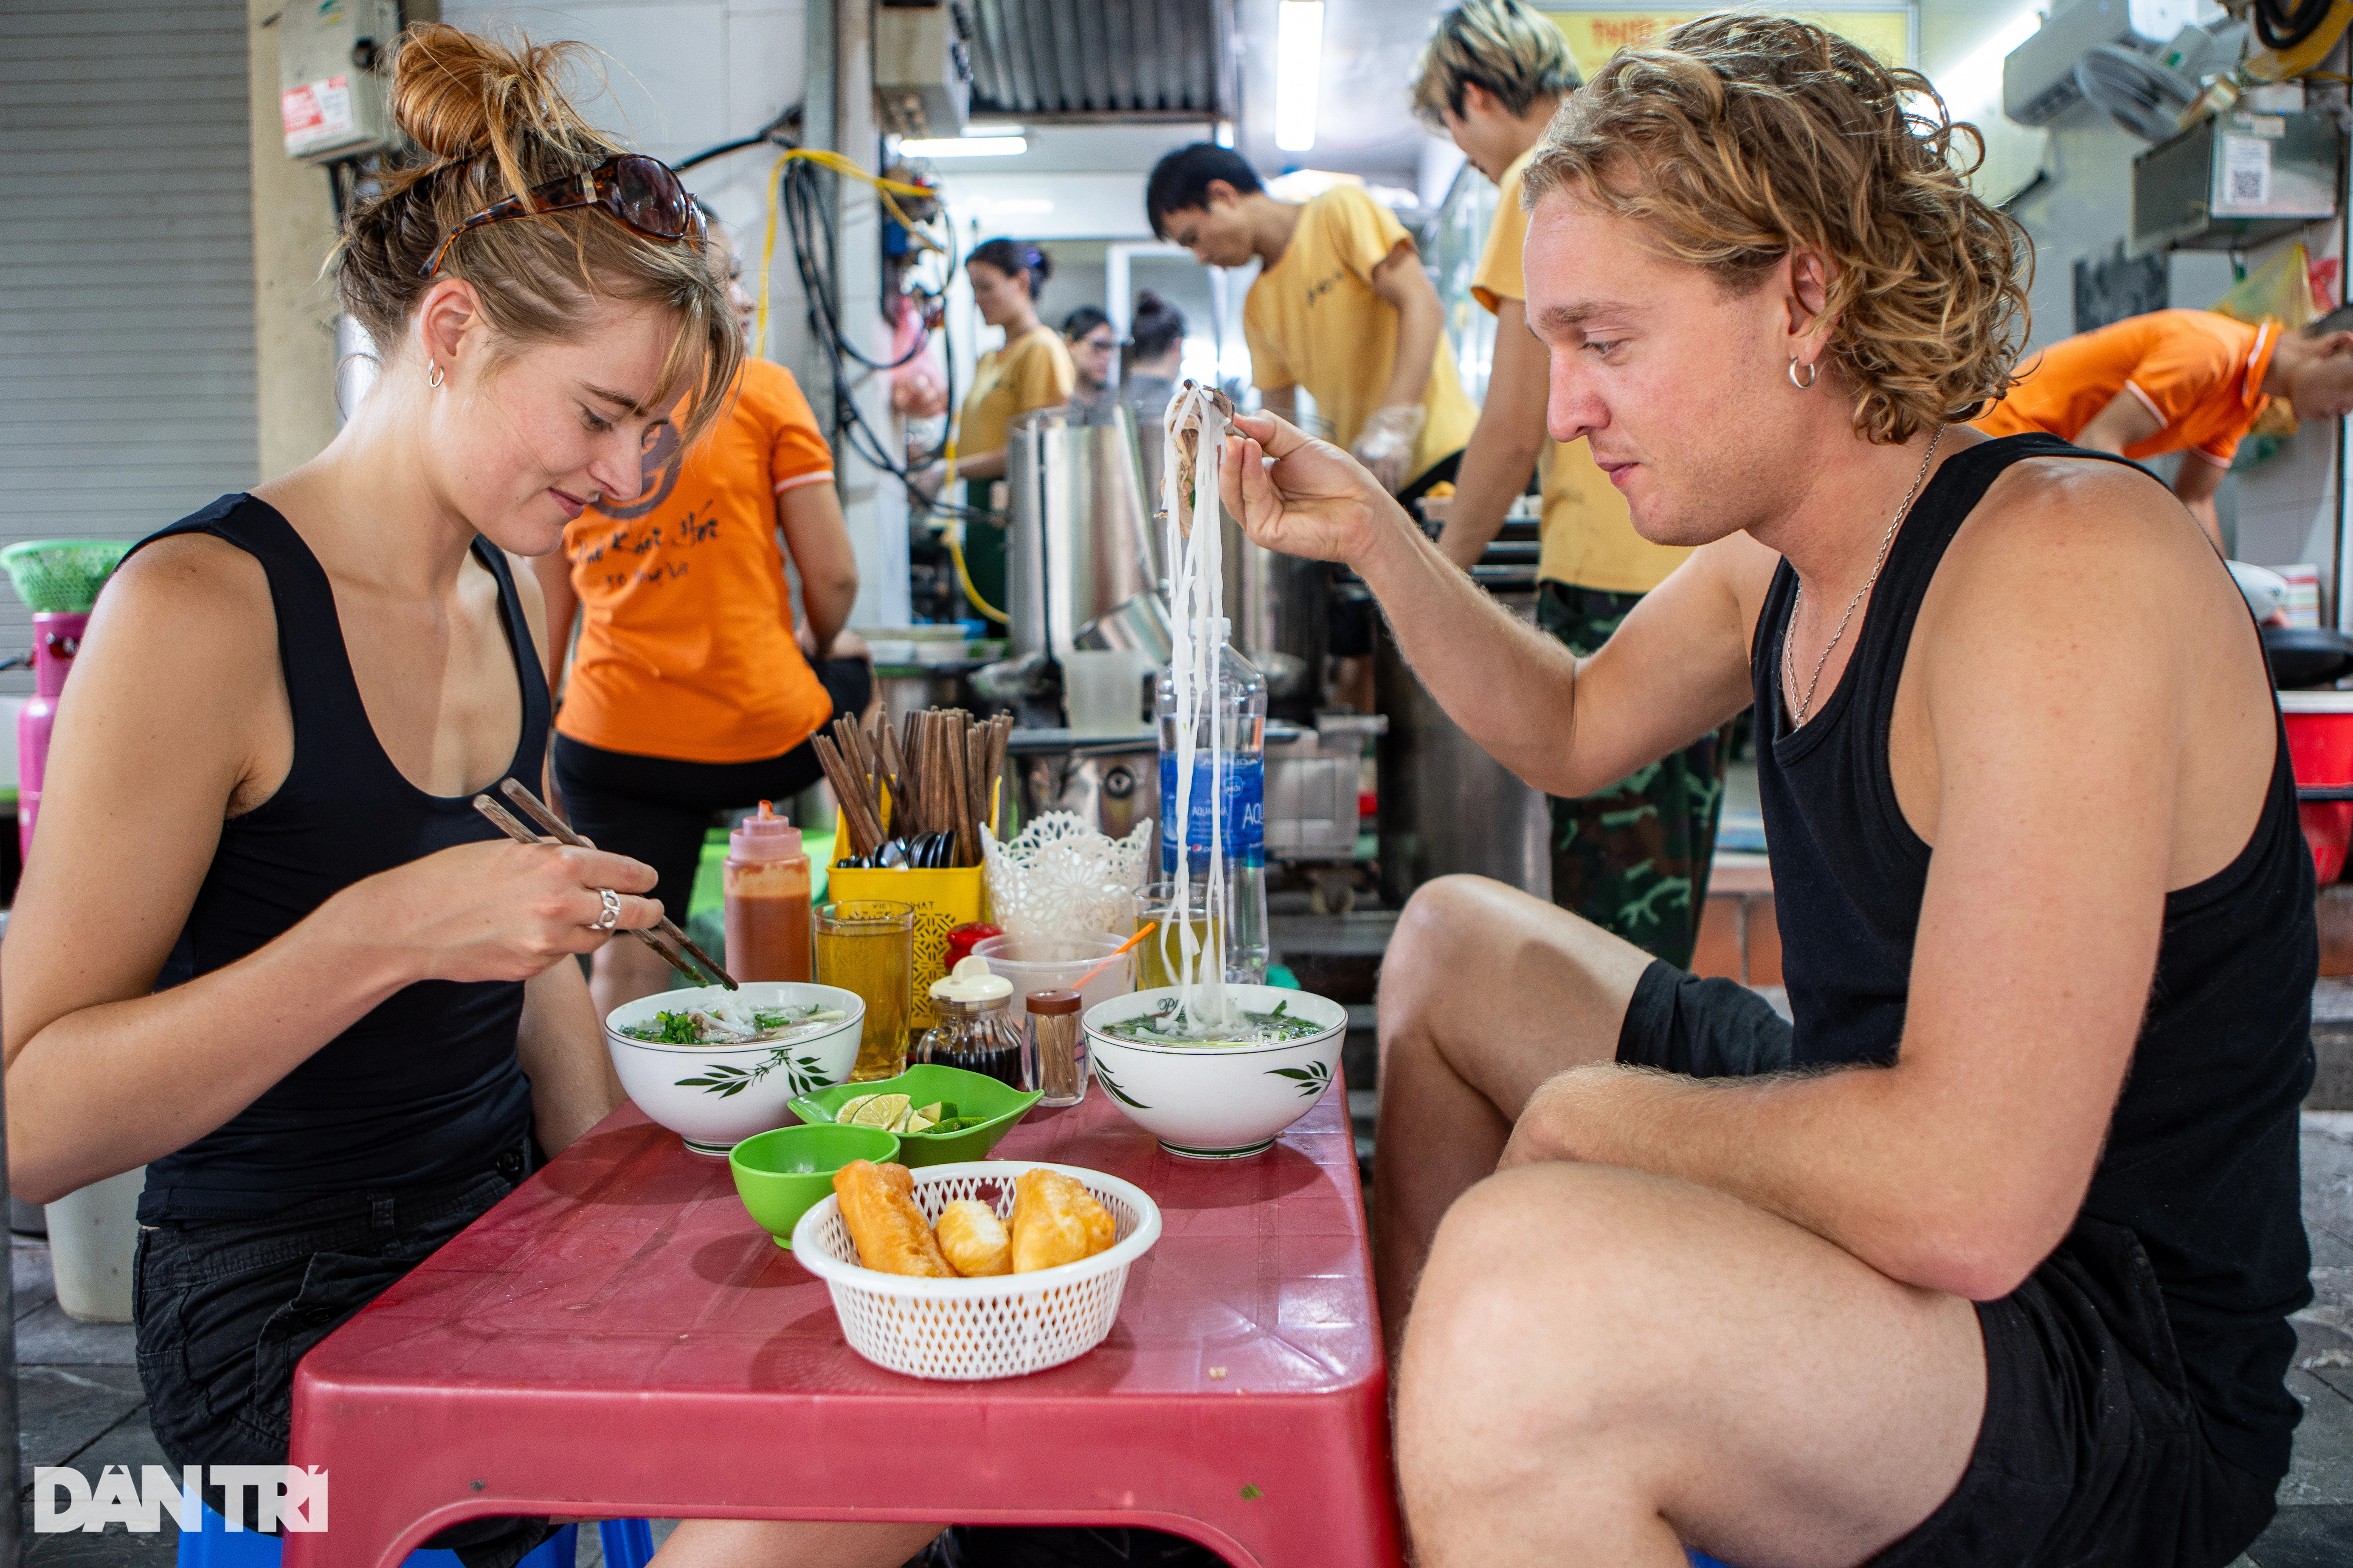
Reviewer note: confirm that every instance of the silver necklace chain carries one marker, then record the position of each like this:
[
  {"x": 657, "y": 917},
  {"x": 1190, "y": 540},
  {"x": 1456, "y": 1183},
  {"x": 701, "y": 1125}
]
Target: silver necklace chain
[{"x": 1789, "y": 671}]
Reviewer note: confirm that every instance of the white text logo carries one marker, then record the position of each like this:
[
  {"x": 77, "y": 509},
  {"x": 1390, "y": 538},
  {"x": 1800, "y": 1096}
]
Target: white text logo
[{"x": 284, "y": 1498}]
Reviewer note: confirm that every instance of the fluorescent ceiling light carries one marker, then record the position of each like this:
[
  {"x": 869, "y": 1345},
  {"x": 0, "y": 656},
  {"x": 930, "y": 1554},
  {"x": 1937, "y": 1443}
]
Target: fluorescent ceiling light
[
  {"x": 965, "y": 147},
  {"x": 992, "y": 128},
  {"x": 1298, "y": 63},
  {"x": 1975, "y": 84}
]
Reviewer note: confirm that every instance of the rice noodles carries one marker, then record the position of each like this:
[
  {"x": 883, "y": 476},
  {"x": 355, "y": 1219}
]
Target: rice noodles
[{"x": 1196, "y": 423}]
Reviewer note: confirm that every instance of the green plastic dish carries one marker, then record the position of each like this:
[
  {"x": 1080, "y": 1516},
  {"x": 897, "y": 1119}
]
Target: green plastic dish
[
  {"x": 972, "y": 1093},
  {"x": 783, "y": 1174}
]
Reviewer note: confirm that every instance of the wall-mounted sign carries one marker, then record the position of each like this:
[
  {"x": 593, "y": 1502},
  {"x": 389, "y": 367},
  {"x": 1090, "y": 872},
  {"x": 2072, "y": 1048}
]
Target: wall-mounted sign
[{"x": 1594, "y": 35}]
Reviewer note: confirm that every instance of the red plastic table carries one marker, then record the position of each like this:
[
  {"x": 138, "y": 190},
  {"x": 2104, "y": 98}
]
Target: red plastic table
[{"x": 617, "y": 1339}]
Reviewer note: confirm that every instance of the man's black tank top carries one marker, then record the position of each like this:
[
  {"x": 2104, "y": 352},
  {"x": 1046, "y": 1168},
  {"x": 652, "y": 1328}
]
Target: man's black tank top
[
  {"x": 426, "y": 1088},
  {"x": 2200, "y": 1159}
]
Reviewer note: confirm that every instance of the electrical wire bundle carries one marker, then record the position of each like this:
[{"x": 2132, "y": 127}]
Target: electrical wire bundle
[
  {"x": 2282, "y": 26},
  {"x": 797, "y": 190}
]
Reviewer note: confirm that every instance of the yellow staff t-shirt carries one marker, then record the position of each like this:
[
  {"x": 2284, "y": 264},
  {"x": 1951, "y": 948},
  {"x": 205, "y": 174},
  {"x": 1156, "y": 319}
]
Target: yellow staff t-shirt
[
  {"x": 1032, "y": 370},
  {"x": 1314, "y": 319},
  {"x": 1587, "y": 534}
]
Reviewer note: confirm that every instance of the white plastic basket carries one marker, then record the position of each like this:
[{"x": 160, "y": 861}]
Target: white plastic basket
[{"x": 966, "y": 1330}]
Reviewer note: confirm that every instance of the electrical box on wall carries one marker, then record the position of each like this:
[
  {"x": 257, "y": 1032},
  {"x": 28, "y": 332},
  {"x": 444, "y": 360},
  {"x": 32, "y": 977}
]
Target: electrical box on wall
[
  {"x": 2235, "y": 179},
  {"x": 331, "y": 93},
  {"x": 923, "y": 66}
]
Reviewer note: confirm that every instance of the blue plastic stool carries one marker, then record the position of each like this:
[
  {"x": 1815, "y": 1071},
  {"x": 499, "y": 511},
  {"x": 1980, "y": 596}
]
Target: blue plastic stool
[
  {"x": 1698, "y": 1559},
  {"x": 628, "y": 1543}
]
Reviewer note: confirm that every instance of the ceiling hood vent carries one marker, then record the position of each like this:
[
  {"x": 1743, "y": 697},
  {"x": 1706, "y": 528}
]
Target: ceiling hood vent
[{"x": 1092, "y": 60}]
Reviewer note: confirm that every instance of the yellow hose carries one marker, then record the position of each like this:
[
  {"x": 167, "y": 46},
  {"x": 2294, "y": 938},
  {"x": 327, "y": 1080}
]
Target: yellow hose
[{"x": 954, "y": 536}]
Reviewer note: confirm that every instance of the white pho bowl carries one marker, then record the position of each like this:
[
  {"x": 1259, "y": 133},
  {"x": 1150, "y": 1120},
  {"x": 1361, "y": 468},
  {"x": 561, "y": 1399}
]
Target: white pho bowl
[
  {"x": 714, "y": 1097},
  {"x": 1210, "y": 1102}
]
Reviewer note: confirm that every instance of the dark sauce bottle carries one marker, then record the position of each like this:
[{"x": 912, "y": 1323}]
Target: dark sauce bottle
[{"x": 976, "y": 1031}]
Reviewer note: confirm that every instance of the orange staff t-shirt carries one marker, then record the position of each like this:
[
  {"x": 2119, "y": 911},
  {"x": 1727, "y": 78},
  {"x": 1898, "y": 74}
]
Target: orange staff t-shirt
[
  {"x": 2198, "y": 374},
  {"x": 687, "y": 645}
]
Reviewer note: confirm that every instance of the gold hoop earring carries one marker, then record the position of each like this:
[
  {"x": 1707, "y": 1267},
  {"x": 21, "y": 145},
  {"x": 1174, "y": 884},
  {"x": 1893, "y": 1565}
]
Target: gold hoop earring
[
  {"x": 435, "y": 375},
  {"x": 1813, "y": 375}
]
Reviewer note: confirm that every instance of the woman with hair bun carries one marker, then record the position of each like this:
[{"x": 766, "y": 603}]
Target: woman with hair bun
[
  {"x": 1156, "y": 341},
  {"x": 1031, "y": 370},
  {"x": 265, "y": 947}
]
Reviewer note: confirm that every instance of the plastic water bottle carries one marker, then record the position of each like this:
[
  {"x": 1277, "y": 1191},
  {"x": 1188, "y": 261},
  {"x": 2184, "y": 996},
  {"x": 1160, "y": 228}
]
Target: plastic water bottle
[{"x": 1238, "y": 712}]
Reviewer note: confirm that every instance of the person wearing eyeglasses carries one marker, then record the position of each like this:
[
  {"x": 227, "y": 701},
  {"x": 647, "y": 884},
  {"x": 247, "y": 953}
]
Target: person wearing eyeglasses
[
  {"x": 1094, "y": 343},
  {"x": 265, "y": 946},
  {"x": 692, "y": 691}
]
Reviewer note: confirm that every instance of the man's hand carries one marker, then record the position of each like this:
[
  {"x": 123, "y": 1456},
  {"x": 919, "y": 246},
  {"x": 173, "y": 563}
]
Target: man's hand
[
  {"x": 1302, "y": 496},
  {"x": 1384, "y": 444}
]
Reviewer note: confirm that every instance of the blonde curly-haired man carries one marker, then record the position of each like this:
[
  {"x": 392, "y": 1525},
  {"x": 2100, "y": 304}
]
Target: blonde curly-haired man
[{"x": 1986, "y": 1259}]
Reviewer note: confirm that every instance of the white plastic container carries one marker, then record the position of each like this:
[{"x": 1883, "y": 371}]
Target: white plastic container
[
  {"x": 1037, "y": 964},
  {"x": 93, "y": 1235},
  {"x": 963, "y": 1331}
]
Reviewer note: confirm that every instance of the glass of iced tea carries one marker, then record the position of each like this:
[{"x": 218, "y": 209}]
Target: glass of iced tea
[
  {"x": 1160, "y": 956},
  {"x": 868, "y": 946}
]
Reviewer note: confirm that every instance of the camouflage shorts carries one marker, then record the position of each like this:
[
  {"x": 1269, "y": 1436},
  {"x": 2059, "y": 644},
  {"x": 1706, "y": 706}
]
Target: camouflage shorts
[{"x": 1633, "y": 858}]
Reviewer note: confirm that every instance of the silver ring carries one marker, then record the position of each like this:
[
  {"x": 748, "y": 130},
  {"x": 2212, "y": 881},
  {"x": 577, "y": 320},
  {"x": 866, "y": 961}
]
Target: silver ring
[{"x": 612, "y": 914}]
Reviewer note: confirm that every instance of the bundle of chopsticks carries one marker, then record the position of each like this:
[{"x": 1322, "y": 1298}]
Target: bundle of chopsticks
[{"x": 939, "y": 770}]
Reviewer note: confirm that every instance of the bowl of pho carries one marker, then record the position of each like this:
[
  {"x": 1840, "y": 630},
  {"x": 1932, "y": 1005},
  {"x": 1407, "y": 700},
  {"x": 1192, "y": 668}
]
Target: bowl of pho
[
  {"x": 716, "y": 1066},
  {"x": 1214, "y": 1085}
]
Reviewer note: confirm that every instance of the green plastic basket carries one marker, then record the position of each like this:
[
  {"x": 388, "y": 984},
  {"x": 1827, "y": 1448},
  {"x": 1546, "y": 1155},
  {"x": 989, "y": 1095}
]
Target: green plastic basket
[{"x": 62, "y": 576}]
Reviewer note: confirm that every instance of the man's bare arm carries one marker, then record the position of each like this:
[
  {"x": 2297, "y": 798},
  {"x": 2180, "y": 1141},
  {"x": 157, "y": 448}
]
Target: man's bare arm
[
  {"x": 1962, "y": 1166},
  {"x": 1503, "y": 448},
  {"x": 2125, "y": 422},
  {"x": 2195, "y": 485},
  {"x": 1400, "y": 280},
  {"x": 1677, "y": 668}
]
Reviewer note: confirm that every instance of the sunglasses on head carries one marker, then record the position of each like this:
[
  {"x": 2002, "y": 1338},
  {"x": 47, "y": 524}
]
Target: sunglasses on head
[{"x": 640, "y": 192}]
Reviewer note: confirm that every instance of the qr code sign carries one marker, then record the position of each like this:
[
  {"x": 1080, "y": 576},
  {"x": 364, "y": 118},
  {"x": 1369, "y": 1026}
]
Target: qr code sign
[{"x": 2246, "y": 173}]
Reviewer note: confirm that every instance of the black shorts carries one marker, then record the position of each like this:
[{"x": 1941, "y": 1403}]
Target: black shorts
[
  {"x": 225, "y": 1310},
  {"x": 659, "y": 809},
  {"x": 2091, "y": 1452}
]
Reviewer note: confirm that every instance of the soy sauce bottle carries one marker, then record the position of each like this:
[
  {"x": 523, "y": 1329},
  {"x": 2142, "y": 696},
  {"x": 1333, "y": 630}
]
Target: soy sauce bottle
[{"x": 975, "y": 1031}]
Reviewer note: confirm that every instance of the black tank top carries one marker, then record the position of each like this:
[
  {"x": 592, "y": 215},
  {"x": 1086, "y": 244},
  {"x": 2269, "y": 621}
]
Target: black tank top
[
  {"x": 2200, "y": 1163},
  {"x": 426, "y": 1088}
]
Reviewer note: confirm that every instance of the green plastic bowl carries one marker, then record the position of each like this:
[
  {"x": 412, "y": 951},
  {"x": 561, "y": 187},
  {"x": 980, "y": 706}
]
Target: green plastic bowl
[
  {"x": 972, "y": 1093},
  {"x": 784, "y": 1173}
]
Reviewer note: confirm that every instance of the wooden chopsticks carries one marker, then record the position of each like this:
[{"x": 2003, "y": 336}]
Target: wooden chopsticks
[
  {"x": 938, "y": 771},
  {"x": 556, "y": 828}
]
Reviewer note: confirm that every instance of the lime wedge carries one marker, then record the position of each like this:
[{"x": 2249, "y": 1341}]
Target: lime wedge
[
  {"x": 846, "y": 1113},
  {"x": 883, "y": 1111}
]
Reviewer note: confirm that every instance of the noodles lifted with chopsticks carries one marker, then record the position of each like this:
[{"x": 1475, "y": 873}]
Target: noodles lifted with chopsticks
[{"x": 1196, "y": 423}]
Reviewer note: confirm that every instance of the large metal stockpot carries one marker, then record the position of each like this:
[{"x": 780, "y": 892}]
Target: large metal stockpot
[{"x": 1446, "y": 806}]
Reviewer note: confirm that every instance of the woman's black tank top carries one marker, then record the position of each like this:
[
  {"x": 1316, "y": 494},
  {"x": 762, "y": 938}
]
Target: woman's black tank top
[
  {"x": 2200, "y": 1158},
  {"x": 426, "y": 1088}
]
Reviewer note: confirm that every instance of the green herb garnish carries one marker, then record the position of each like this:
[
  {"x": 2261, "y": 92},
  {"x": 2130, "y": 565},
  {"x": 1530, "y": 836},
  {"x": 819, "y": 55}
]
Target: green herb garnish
[{"x": 668, "y": 1029}]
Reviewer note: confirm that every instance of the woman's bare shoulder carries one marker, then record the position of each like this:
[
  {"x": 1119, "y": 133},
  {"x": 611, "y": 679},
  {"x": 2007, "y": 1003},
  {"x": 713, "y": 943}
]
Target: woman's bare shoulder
[{"x": 185, "y": 610}]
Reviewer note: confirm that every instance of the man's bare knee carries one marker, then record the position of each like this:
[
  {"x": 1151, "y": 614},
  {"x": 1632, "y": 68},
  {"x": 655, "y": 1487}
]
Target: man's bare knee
[
  {"x": 1433, "y": 951},
  {"x": 1480, "y": 1399}
]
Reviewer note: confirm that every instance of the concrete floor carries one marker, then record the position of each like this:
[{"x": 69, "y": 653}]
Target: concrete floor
[{"x": 80, "y": 1403}]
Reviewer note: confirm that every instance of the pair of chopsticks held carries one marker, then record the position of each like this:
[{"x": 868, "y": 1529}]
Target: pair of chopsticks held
[{"x": 663, "y": 935}]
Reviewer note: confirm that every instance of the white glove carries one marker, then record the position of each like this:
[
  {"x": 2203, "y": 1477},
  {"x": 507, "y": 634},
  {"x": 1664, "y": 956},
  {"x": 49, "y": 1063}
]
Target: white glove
[{"x": 1384, "y": 444}]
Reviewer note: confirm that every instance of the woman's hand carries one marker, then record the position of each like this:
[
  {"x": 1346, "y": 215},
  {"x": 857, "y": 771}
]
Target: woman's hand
[
  {"x": 1302, "y": 496},
  {"x": 494, "y": 911}
]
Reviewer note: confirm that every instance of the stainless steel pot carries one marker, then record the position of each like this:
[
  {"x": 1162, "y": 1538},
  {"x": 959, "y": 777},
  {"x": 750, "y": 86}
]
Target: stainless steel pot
[
  {"x": 1446, "y": 805},
  {"x": 1083, "y": 543}
]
